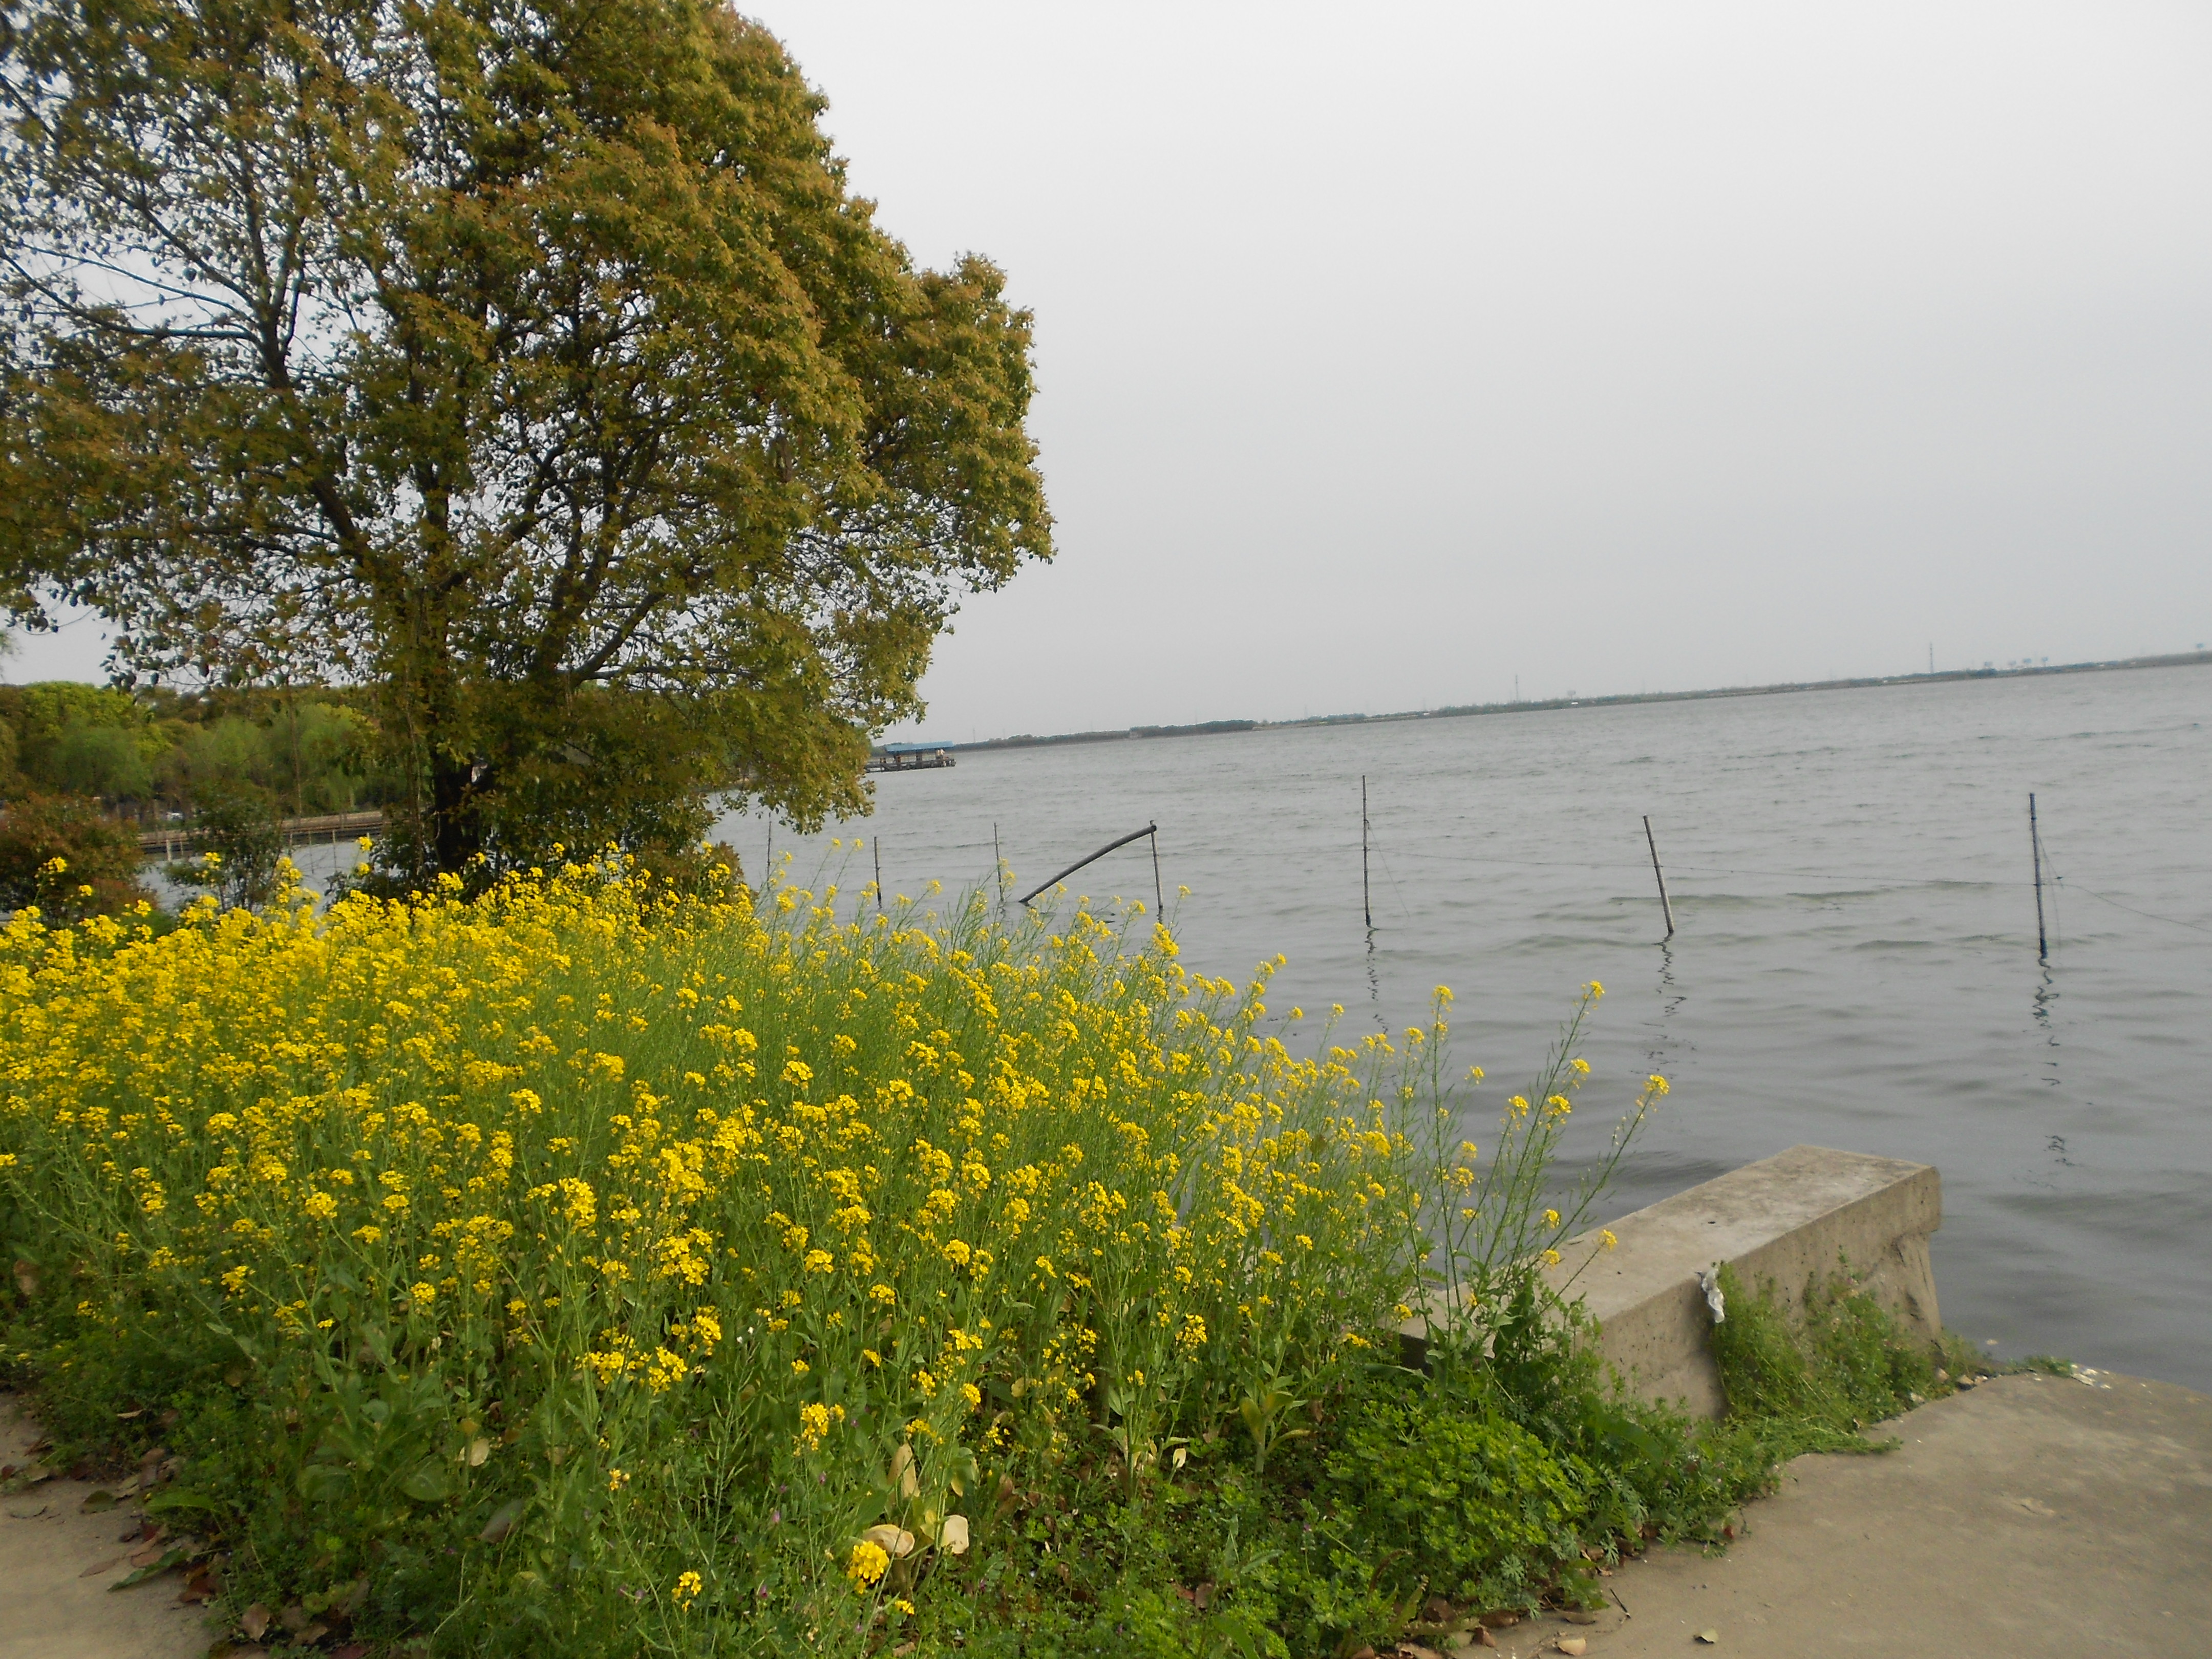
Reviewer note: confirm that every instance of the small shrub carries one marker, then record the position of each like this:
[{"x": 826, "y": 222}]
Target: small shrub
[
  {"x": 1464, "y": 1498},
  {"x": 62, "y": 854},
  {"x": 236, "y": 826}
]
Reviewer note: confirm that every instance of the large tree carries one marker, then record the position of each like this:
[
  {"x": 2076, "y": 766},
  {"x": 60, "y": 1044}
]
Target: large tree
[{"x": 528, "y": 360}]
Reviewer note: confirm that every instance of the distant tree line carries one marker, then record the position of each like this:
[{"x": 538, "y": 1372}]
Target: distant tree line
[
  {"x": 85, "y": 768},
  {"x": 144, "y": 756}
]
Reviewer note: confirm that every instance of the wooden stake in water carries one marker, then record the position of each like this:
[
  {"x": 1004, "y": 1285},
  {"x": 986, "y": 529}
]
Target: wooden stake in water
[
  {"x": 998, "y": 868},
  {"x": 2035, "y": 851},
  {"x": 1159, "y": 900},
  {"x": 876, "y": 846},
  {"x": 1366, "y": 904},
  {"x": 1650, "y": 842}
]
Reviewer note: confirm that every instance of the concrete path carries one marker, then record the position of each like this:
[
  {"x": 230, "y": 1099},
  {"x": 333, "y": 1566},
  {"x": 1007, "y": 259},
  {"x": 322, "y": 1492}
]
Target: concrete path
[
  {"x": 56, "y": 1566},
  {"x": 2032, "y": 1516}
]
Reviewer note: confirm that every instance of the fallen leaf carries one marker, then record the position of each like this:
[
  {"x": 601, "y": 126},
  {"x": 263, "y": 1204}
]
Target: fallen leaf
[
  {"x": 903, "y": 1474},
  {"x": 108, "y": 1565},
  {"x": 29, "y": 1515},
  {"x": 152, "y": 1553},
  {"x": 894, "y": 1541},
  {"x": 26, "y": 1278},
  {"x": 478, "y": 1450},
  {"x": 1483, "y": 1638},
  {"x": 1364, "y": 1653},
  {"x": 952, "y": 1536},
  {"x": 1710, "y": 1638},
  {"x": 293, "y": 1619},
  {"x": 200, "y": 1587},
  {"x": 2034, "y": 1508},
  {"x": 254, "y": 1621},
  {"x": 1573, "y": 1645},
  {"x": 314, "y": 1633},
  {"x": 351, "y": 1651},
  {"x": 502, "y": 1521},
  {"x": 1578, "y": 1615},
  {"x": 1503, "y": 1619},
  {"x": 1415, "y": 1650},
  {"x": 125, "y": 1417},
  {"x": 170, "y": 1557},
  {"x": 96, "y": 1500},
  {"x": 1437, "y": 1610}
]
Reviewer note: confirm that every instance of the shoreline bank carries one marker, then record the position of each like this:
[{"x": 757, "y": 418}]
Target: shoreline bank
[{"x": 1217, "y": 728}]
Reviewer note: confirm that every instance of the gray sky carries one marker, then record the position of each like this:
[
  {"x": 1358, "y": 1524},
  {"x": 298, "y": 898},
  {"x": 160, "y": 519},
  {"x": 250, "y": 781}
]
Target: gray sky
[{"x": 1387, "y": 353}]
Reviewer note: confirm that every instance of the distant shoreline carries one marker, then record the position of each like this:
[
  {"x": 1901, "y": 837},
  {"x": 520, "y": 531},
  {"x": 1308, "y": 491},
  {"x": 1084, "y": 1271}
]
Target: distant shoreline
[{"x": 1213, "y": 728}]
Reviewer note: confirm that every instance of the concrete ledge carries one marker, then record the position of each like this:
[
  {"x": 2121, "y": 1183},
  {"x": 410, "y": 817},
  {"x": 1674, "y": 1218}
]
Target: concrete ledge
[{"x": 1785, "y": 1218}]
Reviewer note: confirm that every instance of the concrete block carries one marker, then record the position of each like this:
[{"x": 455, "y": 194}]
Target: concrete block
[{"x": 1785, "y": 1218}]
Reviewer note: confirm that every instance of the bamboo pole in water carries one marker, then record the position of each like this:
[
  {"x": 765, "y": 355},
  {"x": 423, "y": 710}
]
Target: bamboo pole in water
[
  {"x": 1666, "y": 908},
  {"x": 1366, "y": 904},
  {"x": 2035, "y": 851}
]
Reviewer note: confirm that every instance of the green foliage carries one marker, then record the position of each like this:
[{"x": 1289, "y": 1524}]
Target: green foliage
[
  {"x": 1463, "y": 1500},
  {"x": 107, "y": 762},
  {"x": 61, "y": 854},
  {"x": 308, "y": 753},
  {"x": 514, "y": 362},
  {"x": 241, "y": 845},
  {"x": 1812, "y": 1380}
]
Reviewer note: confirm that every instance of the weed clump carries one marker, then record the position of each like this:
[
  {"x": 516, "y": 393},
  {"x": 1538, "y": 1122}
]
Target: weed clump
[{"x": 1812, "y": 1379}]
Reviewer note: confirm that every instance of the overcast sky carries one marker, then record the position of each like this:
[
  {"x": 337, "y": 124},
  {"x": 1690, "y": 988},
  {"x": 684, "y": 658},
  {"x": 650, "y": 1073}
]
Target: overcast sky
[{"x": 1387, "y": 353}]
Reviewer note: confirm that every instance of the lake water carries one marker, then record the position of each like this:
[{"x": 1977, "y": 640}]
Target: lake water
[{"x": 1854, "y": 962}]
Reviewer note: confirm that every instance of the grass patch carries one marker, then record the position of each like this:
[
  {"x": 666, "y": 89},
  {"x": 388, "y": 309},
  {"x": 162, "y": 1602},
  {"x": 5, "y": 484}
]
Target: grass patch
[{"x": 1815, "y": 1376}]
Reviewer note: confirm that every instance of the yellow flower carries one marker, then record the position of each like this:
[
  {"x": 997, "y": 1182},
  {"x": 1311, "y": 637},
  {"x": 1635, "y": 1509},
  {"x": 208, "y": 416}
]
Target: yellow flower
[
  {"x": 1551, "y": 1258},
  {"x": 1596, "y": 990},
  {"x": 1656, "y": 1084},
  {"x": 866, "y": 1565},
  {"x": 617, "y": 1480},
  {"x": 1551, "y": 1218},
  {"x": 688, "y": 1586},
  {"x": 1607, "y": 1239}
]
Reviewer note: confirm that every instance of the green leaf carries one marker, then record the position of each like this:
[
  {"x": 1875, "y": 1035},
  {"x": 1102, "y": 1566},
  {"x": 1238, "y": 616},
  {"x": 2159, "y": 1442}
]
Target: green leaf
[
  {"x": 174, "y": 1498},
  {"x": 427, "y": 1482},
  {"x": 171, "y": 1557}
]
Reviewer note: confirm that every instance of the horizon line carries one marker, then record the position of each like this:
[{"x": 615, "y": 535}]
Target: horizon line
[{"x": 1216, "y": 727}]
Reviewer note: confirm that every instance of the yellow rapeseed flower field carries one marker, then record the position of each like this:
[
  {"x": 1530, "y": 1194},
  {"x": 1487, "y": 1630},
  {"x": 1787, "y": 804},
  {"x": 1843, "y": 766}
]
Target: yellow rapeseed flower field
[{"x": 599, "y": 1257}]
